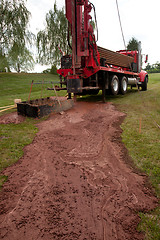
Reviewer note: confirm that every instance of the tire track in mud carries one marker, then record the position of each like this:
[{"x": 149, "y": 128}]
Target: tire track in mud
[{"x": 73, "y": 181}]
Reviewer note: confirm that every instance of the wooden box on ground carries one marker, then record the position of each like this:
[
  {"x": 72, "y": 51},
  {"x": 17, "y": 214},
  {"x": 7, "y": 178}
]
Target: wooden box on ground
[{"x": 41, "y": 107}]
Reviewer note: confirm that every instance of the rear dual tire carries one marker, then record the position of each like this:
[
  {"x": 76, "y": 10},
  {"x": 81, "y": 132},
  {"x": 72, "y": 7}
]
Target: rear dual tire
[
  {"x": 123, "y": 85},
  {"x": 114, "y": 85},
  {"x": 117, "y": 86}
]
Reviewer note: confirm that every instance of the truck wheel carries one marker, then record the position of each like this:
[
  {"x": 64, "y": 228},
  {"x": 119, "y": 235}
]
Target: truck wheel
[
  {"x": 123, "y": 85},
  {"x": 114, "y": 85},
  {"x": 144, "y": 84}
]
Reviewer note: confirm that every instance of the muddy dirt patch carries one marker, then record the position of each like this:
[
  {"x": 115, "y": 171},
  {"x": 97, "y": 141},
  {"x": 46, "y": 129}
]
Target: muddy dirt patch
[
  {"x": 11, "y": 118},
  {"x": 73, "y": 181}
]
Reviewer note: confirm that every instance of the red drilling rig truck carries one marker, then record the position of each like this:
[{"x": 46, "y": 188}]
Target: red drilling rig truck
[{"x": 91, "y": 68}]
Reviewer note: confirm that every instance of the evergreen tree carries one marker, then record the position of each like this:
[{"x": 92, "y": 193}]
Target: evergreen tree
[{"x": 132, "y": 44}]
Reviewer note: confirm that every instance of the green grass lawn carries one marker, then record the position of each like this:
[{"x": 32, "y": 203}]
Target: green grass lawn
[
  {"x": 17, "y": 86},
  {"x": 142, "y": 143}
]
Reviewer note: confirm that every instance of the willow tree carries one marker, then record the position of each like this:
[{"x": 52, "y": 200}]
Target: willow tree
[
  {"x": 14, "y": 19},
  {"x": 20, "y": 58},
  {"x": 53, "y": 37}
]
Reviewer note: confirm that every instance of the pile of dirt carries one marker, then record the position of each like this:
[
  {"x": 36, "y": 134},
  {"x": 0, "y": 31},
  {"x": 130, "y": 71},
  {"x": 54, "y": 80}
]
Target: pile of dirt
[
  {"x": 11, "y": 118},
  {"x": 73, "y": 181}
]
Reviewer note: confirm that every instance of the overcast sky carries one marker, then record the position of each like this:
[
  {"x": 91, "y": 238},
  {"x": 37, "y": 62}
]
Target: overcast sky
[{"x": 140, "y": 19}]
